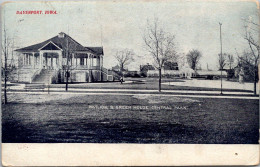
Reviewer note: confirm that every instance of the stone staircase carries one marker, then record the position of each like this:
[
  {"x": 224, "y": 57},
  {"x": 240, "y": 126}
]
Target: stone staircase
[
  {"x": 40, "y": 81},
  {"x": 43, "y": 77}
]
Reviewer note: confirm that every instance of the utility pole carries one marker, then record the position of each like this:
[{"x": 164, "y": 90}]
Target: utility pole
[
  {"x": 220, "y": 24},
  {"x": 5, "y": 49},
  {"x": 67, "y": 66}
]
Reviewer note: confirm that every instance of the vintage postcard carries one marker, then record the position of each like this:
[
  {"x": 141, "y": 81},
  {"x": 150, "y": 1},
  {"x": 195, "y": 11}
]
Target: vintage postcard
[{"x": 127, "y": 82}]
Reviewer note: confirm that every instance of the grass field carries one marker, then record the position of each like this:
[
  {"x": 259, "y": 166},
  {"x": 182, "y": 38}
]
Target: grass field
[
  {"x": 142, "y": 83},
  {"x": 111, "y": 119}
]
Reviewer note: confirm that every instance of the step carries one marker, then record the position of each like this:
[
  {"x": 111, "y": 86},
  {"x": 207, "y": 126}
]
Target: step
[{"x": 35, "y": 86}]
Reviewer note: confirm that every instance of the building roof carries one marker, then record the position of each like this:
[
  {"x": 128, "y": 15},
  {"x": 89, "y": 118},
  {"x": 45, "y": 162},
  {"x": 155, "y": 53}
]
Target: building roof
[
  {"x": 116, "y": 67},
  {"x": 97, "y": 50},
  {"x": 167, "y": 66},
  {"x": 61, "y": 41}
]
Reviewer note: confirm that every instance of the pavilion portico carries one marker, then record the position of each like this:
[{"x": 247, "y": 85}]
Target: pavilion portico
[{"x": 53, "y": 59}]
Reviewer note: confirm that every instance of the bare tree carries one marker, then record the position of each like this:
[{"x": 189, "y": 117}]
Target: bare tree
[
  {"x": 69, "y": 50},
  {"x": 193, "y": 58},
  {"x": 222, "y": 61},
  {"x": 67, "y": 67},
  {"x": 5, "y": 48},
  {"x": 250, "y": 36},
  {"x": 160, "y": 44},
  {"x": 246, "y": 61},
  {"x": 124, "y": 58}
]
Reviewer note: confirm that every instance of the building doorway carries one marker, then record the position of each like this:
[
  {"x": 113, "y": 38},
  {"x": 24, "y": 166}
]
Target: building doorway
[{"x": 50, "y": 61}]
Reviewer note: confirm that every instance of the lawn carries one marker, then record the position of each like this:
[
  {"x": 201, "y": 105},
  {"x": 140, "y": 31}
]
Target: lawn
[
  {"x": 141, "y": 83},
  {"x": 129, "y": 119}
]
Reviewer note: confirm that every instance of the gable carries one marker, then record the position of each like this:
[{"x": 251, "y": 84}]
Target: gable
[{"x": 50, "y": 46}]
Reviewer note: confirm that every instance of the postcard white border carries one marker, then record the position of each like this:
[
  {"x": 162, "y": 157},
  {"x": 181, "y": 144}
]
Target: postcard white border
[{"x": 24, "y": 154}]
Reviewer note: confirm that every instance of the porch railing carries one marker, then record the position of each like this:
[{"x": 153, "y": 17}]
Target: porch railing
[
  {"x": 84, "y": 67},
  {"x": 30, "y": 67},
  {"x": 35, "y": 74}
]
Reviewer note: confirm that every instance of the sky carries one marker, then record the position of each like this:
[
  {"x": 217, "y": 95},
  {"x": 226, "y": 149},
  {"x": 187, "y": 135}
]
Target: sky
[{"x": 118, "y": 25}]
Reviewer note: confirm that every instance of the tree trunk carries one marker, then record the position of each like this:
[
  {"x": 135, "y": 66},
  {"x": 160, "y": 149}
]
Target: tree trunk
[
  {"x": 67, "y": 84},
  {"x": 160, "y": 79},
  {"x": 67, "y": 80},
  {"x": 5, "y": 71},
  {"x": 5, "y": 93},
  {"x": 255, "y": 80},
  {"x": 255, "y": 87}
]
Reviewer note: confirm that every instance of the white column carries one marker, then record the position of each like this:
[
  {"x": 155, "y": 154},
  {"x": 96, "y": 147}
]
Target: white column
[
  {"x": 23, "y": 55},
  {"x": 101, "y": 59},
  {"x": 41, "y": 59},
  {"x": 107, "y": 74},
  {"x": 73, "y": 59},
  {"x": 98, "y": 62},
  {"x": 85, "y": 61},
  {"x": 100, "y": 65},
  {"x": 33, "y": 60},
  {"x": 91, "y": 60},
  {"x": 88, "y": 61},
  {"x": 26, "y": 62},
  {"x": 28, "y": 59},
  {"x": 100, "y": 68},
  {"x": 60, "y": 59},
  {"x": 72, "y": 63}
]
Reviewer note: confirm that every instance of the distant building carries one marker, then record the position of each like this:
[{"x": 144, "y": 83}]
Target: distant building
[
  {"x": 132, "y": 74},
  {"x": 117, "y": 68},
  {"x": 169, "y": 69},
  {"x": 145, "y": 68},
  {"x": 186, "y": 72},
  {"x": 210, "y": 74}
]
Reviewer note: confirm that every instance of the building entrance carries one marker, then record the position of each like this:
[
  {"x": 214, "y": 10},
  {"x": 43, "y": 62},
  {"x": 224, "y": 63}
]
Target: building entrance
[{"x": 50, "y": 61}]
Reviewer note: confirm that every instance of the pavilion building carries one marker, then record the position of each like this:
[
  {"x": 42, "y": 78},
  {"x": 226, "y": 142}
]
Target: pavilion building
[{"x": 52, "y": 60}]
